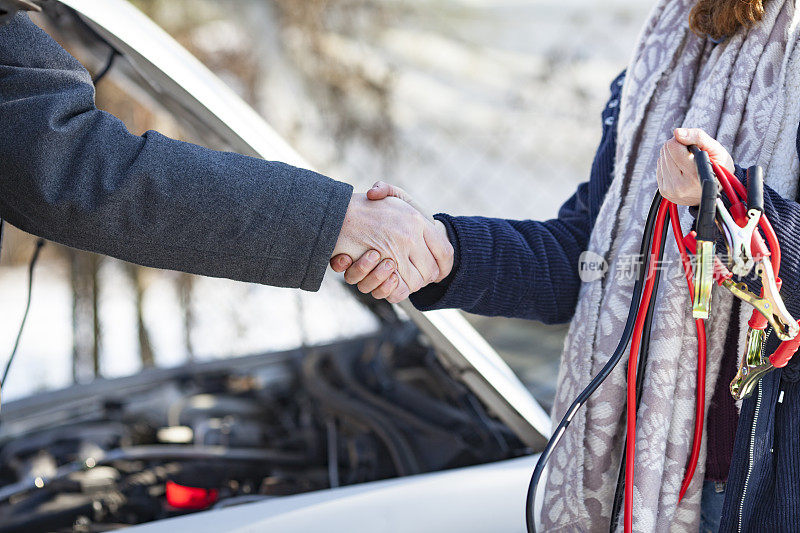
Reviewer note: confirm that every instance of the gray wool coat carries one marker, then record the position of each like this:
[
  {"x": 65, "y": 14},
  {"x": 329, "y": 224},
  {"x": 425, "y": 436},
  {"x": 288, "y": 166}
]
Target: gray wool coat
[{"x": 74, "y": 174}]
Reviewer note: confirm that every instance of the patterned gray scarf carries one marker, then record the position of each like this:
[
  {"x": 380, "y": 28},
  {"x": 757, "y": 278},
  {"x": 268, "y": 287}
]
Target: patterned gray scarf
[{"x": 742, "y": 92}]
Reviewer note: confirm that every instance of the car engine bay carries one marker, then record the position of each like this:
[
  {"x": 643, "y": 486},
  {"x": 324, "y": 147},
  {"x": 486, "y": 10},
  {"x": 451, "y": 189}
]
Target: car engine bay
[{"x": 167, "y": 442}]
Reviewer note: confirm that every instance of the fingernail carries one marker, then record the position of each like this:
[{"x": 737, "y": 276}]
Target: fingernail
[
  {"x": 389, "y": 264},
  {"x": 373, "y": 255},
  {"x": 681, "y": 132}
]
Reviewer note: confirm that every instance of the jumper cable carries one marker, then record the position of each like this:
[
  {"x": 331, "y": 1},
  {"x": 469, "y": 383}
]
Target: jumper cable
[{"x": 746, "y": 250}]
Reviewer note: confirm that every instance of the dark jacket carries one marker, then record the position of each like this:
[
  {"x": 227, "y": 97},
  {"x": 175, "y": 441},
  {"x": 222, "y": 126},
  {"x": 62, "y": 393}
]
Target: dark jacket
[
  {"x": 529, "y": 269},
  {"x": 73, "y": 174}
]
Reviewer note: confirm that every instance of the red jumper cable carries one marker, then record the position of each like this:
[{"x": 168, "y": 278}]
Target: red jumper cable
[
  {"x": 706, "y": 213},
  {"x": 748, "y": 249}
]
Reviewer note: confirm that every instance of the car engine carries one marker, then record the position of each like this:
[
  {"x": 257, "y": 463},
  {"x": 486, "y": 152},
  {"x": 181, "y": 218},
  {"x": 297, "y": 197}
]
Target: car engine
[{"x": 167, "y": 442}]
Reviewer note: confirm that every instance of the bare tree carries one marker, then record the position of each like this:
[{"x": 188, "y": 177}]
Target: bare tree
[
  {"x": 83, "y": 268},
  {"x": 185, "y": 289},
  {"x": 136, "y": 276}
]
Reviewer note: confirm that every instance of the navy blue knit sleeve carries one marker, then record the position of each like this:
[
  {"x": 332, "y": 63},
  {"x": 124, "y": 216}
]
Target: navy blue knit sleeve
[{"x": 526, "y": 268}]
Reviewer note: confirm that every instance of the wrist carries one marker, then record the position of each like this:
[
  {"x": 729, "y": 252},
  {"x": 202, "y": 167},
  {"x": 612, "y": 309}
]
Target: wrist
[
  {"x": 452, "y": 236},
  {"x": 446, "y": 265},
  {"x": 347, "y": 243}
]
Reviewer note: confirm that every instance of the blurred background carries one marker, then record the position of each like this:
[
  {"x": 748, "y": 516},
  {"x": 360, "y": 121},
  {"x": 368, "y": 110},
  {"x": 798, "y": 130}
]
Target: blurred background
[{"x": 488, "y": 107}]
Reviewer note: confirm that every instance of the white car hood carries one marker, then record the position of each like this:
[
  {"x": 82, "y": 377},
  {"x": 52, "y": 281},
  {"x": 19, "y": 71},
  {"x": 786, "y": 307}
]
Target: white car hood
[{"x": 478, "y": 499}]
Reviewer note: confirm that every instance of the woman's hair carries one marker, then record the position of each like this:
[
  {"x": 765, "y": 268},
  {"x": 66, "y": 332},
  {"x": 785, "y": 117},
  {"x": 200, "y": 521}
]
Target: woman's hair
[{"x": 721, "y": 18}]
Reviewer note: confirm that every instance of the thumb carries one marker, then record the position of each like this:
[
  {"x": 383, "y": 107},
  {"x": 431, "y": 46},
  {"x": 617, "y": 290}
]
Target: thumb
[
  {"x": 696, "y": 136},
  {"x": 341, "y": 262},
  {"x": 704, "y": 141},
  {"x": 381, "y": 190}
]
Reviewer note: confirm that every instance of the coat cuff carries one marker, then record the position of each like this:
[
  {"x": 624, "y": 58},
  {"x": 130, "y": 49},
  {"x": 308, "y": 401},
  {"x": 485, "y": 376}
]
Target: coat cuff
[{"x": 331, "y": 218}]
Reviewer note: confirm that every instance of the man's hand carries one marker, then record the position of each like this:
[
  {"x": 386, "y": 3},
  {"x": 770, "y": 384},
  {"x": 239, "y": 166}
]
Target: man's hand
[
  {"x": 676, "y": 172},
  {"x": 398, "y": 233},
  {"x": 379, "y": 277}
]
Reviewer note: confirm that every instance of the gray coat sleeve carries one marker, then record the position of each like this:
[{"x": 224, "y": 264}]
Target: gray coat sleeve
[{"x": 74, "y": 174}]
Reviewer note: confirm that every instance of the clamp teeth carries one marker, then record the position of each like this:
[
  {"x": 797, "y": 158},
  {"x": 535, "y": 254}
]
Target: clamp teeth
[{"x": 752, "y": 367}]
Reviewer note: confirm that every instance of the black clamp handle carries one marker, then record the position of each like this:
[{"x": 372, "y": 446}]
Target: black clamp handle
[
  {"x": 706, "y": 227},
  {"x": 755, "y": 188},
  {"x": 704, "y": 168}
]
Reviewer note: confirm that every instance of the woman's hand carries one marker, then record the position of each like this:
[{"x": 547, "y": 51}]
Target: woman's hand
[
  {"x": 676, "y": 172},
  {"x": 380, "y": 277}
]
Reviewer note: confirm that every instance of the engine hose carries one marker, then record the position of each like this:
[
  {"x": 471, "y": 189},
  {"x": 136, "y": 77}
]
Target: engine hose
[
  {"x": 159, "y": 453},
  {"x": 600, "y": 377}
]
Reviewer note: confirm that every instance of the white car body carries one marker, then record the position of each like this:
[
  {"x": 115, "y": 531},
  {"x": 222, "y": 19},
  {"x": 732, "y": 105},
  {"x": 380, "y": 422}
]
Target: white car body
[{"x": 488, "y": 498}]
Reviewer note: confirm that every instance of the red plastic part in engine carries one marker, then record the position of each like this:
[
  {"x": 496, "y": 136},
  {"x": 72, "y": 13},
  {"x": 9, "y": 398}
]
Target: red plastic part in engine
[{"x": 182, "y": 497}]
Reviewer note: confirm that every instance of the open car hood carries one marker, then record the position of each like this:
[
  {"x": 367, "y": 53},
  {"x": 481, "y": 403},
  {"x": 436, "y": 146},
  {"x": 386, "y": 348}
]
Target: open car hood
[{"x": 155, "y": 68}]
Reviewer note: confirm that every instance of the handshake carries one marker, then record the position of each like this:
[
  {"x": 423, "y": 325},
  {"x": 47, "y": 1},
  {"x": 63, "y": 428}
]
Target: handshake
[{"x": 389, "y": 247}]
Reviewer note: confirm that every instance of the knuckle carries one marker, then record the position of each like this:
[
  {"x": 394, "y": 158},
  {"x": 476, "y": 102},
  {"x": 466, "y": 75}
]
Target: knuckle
[
  {"x": 380, "y": 293},
  {"x": 398, "y": 296},
  {"x": 386, "y": 288},
  {"x": 351, "y": 276},
  {"x": 361, "y": 268}
]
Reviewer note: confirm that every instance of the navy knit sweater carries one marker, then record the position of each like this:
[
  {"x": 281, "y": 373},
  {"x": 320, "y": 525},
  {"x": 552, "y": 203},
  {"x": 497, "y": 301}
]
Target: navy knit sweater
[{"x": 529, "y": 269}]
